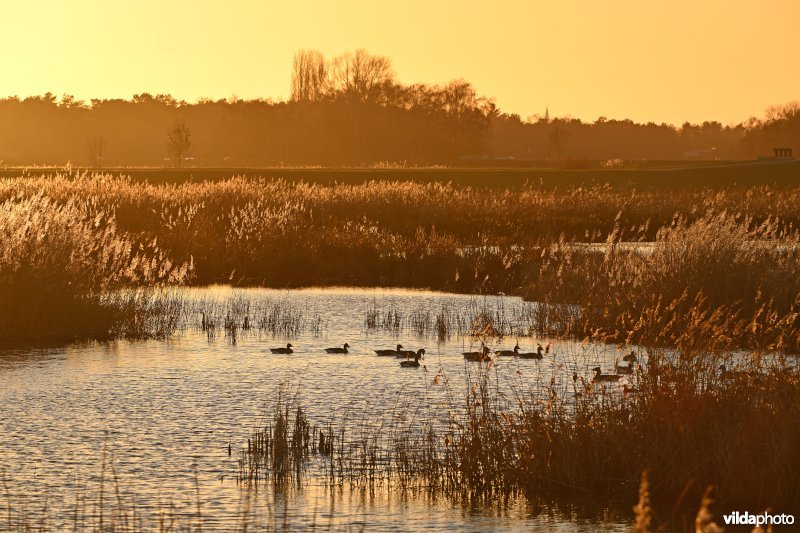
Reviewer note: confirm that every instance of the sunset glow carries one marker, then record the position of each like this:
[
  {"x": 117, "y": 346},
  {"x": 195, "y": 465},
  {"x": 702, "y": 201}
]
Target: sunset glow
[{"x": 672, "y": 62}]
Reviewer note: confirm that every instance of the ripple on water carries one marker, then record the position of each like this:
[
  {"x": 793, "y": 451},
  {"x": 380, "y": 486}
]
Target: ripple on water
[{"x": 163, "y": 411}]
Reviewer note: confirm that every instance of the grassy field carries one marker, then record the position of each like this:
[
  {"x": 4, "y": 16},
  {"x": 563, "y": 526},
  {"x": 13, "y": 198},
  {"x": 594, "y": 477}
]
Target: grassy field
[{"x": 641, "y": 175}]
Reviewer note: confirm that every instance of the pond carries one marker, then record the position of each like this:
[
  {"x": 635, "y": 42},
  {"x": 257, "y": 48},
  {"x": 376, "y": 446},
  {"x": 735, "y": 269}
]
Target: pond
[{"x": 154, "y": 419}]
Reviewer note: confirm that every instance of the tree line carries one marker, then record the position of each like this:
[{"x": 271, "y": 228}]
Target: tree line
[{"x": 351, "y": 109}]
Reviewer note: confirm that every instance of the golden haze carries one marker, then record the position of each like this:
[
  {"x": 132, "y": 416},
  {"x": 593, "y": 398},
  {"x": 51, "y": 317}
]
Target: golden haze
[{"x": 676, "y": 61}]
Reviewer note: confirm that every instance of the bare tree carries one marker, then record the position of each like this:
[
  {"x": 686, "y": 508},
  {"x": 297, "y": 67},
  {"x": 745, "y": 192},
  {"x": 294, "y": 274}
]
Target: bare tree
[
  {"x": 361, "y": 75},
  {"x": 178, "y": 143},
  {"x": 96, "y": 146},
  {"x": 789, "y": 111},
  {"x": 309, "y": 76}
]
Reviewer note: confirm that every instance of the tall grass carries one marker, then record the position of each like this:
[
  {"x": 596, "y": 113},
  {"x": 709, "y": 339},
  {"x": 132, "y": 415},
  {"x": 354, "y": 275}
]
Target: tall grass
[
  {"x": 721, "y": 272},
  {"x": 404, "y": 233},
  {"x": 61, "y": 262},
  {"x": 717, "y": 283},
  {"x": 476, "y": 317},
  {"x": 238, "y": 316}
]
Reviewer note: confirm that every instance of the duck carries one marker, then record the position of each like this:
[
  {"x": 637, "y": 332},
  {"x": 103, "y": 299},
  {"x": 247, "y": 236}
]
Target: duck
[
  {"x": 478, "y": 356},
  {"x": 733, "y": 374},
  {"x": 286, "y": 350},
  {"x": 343, "y": 349},
  {"x": 600, "y": 378},
  {"x": 538, "y": 354},
  {"x": 390, "y": 352},
  {"x": 508, "y": 353},
  {"x": 630, "y": 358},
  {"x": 411, "y": 353},
  {"x": 412, "y": 364},
  {"x": 624, "y": 370}
]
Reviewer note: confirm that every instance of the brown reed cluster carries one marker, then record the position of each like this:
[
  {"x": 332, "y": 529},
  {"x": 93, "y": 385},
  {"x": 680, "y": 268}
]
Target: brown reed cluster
[
  {"x": 692, "y": 268},
  {"x": 236, "y": 316},
  {"x": 61, "y": 263},
  {"x": 447, "y": 320},
  {"x": 720, "y": 282}
]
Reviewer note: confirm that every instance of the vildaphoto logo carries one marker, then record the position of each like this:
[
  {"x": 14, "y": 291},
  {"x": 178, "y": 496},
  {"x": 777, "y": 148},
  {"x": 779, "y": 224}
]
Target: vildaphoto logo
[{"x": 763, "y": 519}]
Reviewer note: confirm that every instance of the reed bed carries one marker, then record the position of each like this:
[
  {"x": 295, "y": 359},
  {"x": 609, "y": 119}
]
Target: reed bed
[
  {"x": 679, "y": 418},
  {"x": 720, "y": 282},
  {"x": 476, "y": 318},
  {"x": 140, "y": 314},
  {"x": 720, "y": 267},
  {"x": 60, "y": 263},
  {"x": 238, "y": 316}
]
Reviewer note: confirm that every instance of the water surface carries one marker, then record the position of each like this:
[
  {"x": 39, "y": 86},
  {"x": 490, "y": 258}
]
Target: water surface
[{"x": 160, "y": 414}]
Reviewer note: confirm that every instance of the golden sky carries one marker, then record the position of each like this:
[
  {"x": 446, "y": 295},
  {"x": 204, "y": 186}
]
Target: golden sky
[{"x": 659, "y": 60}]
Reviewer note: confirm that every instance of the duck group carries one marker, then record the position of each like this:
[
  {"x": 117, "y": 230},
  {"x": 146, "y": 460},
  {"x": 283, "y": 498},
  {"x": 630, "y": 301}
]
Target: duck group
[
  {"x": 344, "y": 349},
  {"x": 412, "y": 359},
  {"x": 483, "y": 355}
]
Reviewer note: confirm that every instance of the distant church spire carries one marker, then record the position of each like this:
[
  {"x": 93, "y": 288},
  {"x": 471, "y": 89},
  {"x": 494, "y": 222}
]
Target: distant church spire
[{"x": 547, "y": 115}]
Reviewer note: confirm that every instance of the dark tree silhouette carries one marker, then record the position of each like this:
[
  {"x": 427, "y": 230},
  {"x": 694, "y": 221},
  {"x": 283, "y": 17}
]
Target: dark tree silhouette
[
  {"x": 351, "y": 110},
  {"x": 361, "y": 76},
  {"x": 309, "y": 76},
  {"x": 179, "y": 142}
]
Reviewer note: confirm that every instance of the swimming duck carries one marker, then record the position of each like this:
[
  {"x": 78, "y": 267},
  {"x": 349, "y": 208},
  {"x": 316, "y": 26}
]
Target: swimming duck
[
  {"x": 412, "y": 364},
  {"x": 538, "y": 354},
  {"x": 630, "y": 358},
  {"x": 390, "y": 352},
  {"x": 478, "y": 356},
  {"x": 343, "y": 349},
  {"x": 286, "y": 350},
  {"x": 624, "y": 370},
  {"x": 598, "y": 377},
  {"x": 508, "y": 353}
]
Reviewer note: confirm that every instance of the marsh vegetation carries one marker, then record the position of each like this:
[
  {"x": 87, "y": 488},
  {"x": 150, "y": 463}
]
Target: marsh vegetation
[
  {"x": 711, "y": 295},
  {"x": 682, "y": 422},
  {"x": 722, "y": 272}
]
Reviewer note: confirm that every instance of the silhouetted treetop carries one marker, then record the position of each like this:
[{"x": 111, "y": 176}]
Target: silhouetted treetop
[{"x": 351, "y": 109}]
